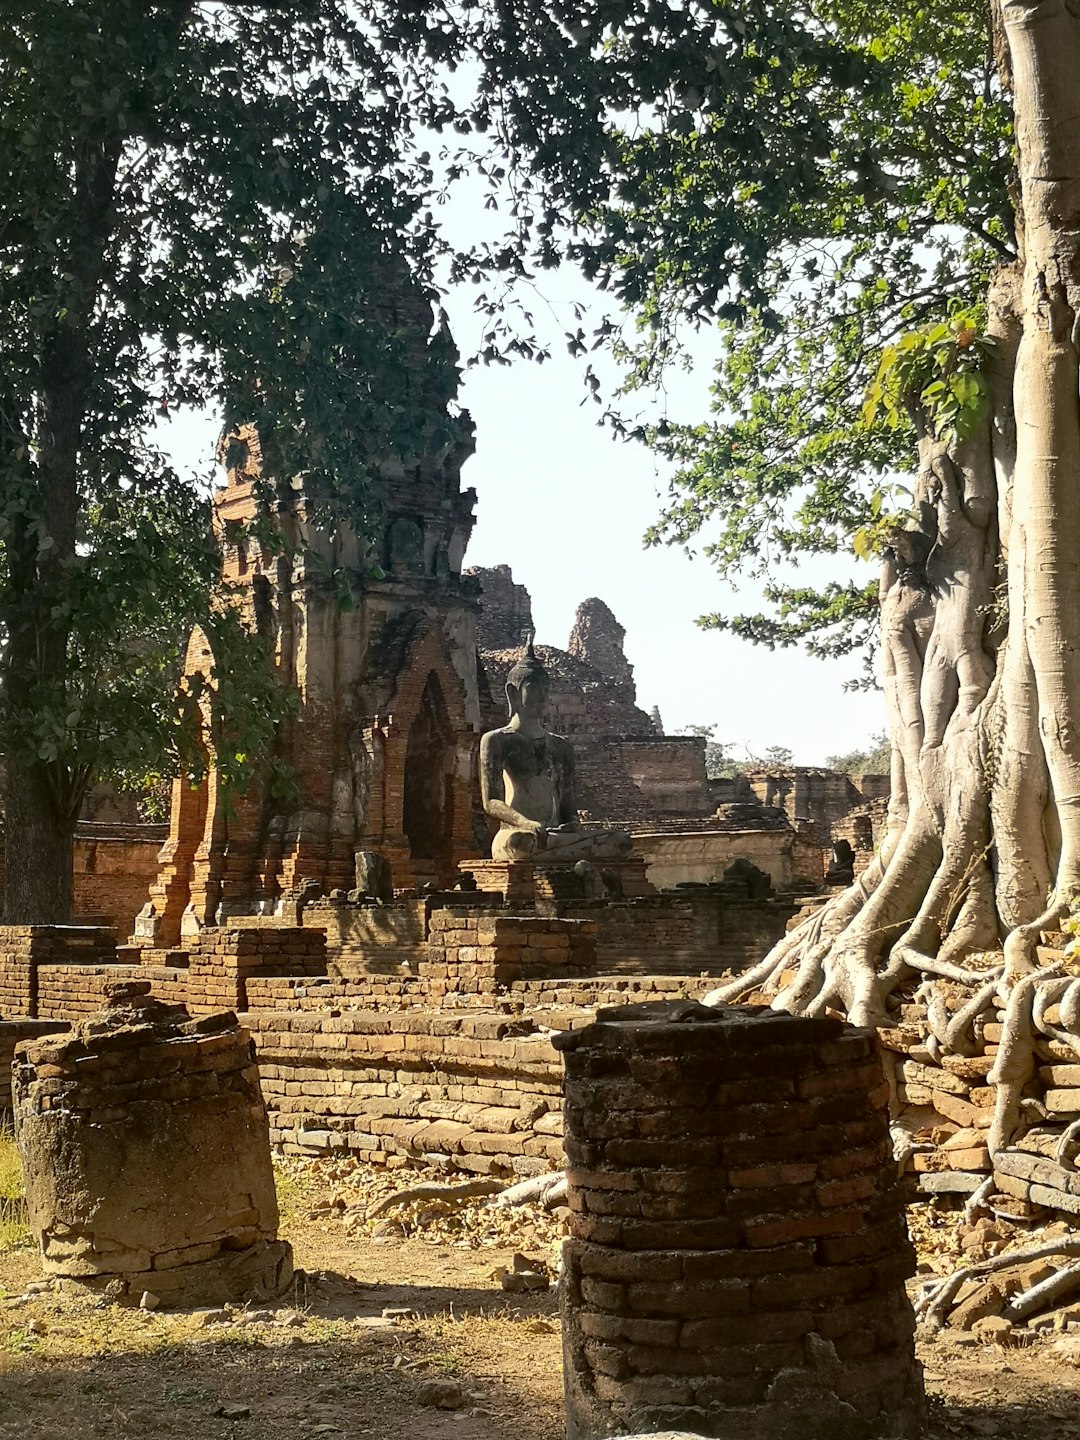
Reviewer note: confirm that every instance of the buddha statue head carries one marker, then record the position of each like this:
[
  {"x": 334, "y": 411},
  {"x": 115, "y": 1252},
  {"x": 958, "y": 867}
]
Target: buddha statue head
[{"x": 528, "y": 685}]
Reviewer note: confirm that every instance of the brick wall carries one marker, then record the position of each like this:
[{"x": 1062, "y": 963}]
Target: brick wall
[
  {"x": 54, "y": 972},
  {"x": 701, "y": 857},
  {"x": 112, "y": 875},
  {"x": 480, "y": 954},
  {"x": 480, "y": 1089},
  {"x": 650, "y": 936},
  {"x": 669, "y": 770},
  {"x": 25, "y": 948},
  {"x": 219, "y": 971},
  {"x": 711, "y": 929},
  {"x": 825, "y": 797},
  {"x": 12, "y": 1032},
  {"x": 362, "y": 938},
  {"x": 68, "y": 992}
]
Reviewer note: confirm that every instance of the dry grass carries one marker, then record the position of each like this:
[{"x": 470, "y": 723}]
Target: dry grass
[
  {"x": 14, "y": 1231},
  {"x": 296, "y": 1189}
]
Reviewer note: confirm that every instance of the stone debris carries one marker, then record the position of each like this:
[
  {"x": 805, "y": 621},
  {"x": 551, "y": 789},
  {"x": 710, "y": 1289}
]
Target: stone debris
[
  {"x": 1024, "y": 1279},
  {"x": 351, "y": 1190},
  {"x": 946, "y": 1106},
  {"x": 440, "y": 1394}
]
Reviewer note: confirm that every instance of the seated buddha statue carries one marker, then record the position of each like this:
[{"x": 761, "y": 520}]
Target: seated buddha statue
[{"x": 527, "y": 782}]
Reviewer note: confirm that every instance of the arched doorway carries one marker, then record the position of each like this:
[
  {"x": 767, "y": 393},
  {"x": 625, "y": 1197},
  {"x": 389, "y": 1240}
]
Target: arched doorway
[{"x": 426, "y": 812}]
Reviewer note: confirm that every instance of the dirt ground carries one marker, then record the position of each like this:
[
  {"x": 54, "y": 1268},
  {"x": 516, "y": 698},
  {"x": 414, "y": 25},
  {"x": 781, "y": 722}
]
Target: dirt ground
[{"x": 330, "y": 1363}]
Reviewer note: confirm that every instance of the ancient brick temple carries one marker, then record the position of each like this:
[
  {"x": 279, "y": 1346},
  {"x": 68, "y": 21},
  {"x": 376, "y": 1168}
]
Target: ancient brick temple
[
  {"x": 687, "y": 826},
  {"x": 382, "y": 745},
  {"x": 626, "y": 771}
]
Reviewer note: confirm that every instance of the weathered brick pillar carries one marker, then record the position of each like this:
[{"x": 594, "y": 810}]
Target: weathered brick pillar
[
  {"x": 738, "y": 1247},
  {"x": 146, "y": 1152}
]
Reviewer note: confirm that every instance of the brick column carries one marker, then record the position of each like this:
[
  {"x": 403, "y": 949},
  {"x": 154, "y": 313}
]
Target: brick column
[
  {"x": 146, "y": 1153},
  {"x": 738, "y": 1250}
]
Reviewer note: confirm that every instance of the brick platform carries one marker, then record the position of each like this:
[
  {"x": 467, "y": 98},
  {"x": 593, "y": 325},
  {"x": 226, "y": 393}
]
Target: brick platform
[{"x": 482, "y": 953}]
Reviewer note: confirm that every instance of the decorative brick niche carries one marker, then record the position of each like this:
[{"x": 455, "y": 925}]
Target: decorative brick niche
[{"x": 738, "y": 1250}]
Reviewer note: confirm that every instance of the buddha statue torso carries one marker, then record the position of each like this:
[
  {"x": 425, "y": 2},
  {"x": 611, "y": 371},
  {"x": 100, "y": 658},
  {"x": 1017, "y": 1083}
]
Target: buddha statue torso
[{"x": 527, "y": 781}]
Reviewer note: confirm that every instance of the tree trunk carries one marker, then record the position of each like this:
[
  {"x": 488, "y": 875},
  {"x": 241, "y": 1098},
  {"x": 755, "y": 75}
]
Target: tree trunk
[
  {"x": 982, "y": 850},
  {"x": 38, "y": 849},
  {"x": 43, "y": 790}
]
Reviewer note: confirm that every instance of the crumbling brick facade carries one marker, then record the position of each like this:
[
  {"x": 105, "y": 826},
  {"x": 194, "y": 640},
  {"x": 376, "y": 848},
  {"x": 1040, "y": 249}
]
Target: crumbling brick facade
[
  {"x": 382, "y": 745},
  {"x": 145, "y": 1149},
  {"x": 655, "y": 785}
]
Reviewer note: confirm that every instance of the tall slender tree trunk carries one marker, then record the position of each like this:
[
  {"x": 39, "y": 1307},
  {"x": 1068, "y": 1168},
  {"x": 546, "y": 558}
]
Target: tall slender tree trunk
[
  {"x": 42, "y": 795},
  {"x": 39, "y": 843},
  {"x": 38, "y": 798}
]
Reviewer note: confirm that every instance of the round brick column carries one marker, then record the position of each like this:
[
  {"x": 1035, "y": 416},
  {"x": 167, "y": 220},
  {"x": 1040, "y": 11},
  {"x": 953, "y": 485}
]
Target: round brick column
[
  {"x": 146, "y": 1151},
  {"x": 738, "y": 1246}
]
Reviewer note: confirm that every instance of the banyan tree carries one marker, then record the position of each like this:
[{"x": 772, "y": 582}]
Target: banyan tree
[{"x": 980, "y": 642}]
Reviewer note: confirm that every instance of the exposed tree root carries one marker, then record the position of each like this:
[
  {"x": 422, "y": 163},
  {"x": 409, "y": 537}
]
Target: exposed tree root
[
  {"x": 445, "y": 1194},
  {"x": 1038, "y": 1297},
  {"x": 1015, "y": 1064},
  {"x": 547, "y": 1191},
  {"x": 959, "y": 1036},
  {"x": 976, "y": 1203},
  {"x": 937, "y": 1297}
]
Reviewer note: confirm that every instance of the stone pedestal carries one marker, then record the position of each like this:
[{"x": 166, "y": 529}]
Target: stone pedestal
[
  {"x": 514, "y": 880},
  {"x": 626, "y": 877},
  {"x": 146, "y": 1153},
  {"x": 738, "y": 1253}
]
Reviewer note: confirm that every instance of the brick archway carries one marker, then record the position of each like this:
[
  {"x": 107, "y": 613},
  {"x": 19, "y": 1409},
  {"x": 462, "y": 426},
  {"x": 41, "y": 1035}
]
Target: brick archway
[{"x": 423, "y": 740}]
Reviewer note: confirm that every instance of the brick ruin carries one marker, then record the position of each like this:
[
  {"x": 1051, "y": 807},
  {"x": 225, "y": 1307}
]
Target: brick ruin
[
  {"x": 417, "y": 1025},
  {"x": 737, "y": 1249},
  {"x": 626, "y": 772},
  {"x": 382, "y": 747},
  {"x": 687, "y": 827},
  {"x": 835, "y": 805},
  {"x": 146, "y": 1154},
  {"x": 422, "y": 1027}
]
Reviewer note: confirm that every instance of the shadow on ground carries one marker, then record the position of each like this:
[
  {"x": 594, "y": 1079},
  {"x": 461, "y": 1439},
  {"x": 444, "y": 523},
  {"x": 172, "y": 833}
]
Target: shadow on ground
[
  {"x": 1053, "y": 1416},
  {"x": 338, "y": 1296}
]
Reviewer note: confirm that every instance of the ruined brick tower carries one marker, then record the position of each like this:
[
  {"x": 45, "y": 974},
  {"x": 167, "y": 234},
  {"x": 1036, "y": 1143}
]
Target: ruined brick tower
[{"x": 383, "y": 743}]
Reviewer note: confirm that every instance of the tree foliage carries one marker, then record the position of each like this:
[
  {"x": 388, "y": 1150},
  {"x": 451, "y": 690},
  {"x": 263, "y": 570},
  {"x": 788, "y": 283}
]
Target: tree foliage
[
  {"x": 218, "y": 204},
  {"x": 721, "y": 763},
  {"x": 203, "y": 205},
  {"x": 874, "y": 759},
  {"x": 894, "y": 234}
]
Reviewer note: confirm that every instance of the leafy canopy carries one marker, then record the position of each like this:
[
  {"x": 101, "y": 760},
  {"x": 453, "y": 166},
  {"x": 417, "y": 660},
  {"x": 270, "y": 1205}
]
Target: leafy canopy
[
  {"x": 885, "y": 246},
  {"x": 202, "y": 205},
  {"x": 812, "y": 183}
]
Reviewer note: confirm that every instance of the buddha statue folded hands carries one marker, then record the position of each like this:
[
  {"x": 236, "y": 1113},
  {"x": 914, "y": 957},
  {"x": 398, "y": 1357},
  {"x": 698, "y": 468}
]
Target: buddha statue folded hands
[{"x": 527, "y": 782}]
